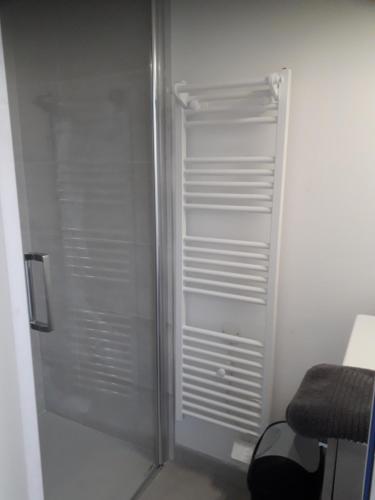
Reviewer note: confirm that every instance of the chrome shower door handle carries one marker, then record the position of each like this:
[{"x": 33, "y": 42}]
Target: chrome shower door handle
[{"x": 35, "y": 324}]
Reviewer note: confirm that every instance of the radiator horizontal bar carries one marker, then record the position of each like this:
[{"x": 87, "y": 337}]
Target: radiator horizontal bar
[
  {"x": 217, "y": 364},
  {"x": 232, "y": 121},
  {"x": 247, "y": 288},
  {"x": 220, "y": 404},
  {"x": 205, "y": 99},
  {"x": 229, "y": 378},
  {"x": 240, "y": 350},
  {"x": 243, "y": 298},
  {"x": 223, "y": 395},
  {"x": 248, "y": 277},
  {"x": 230, "y": 159},
  {"x": 221, "y": 105},
  {"x": 232, "y": 208},
  {"x": 253, "y": 184},
  {"x": 204, "y": 239},
  {"x": 226, "y": 387},
  {"x": 234, "y": 171},
  {"x": 222, "y": 414},
  {"x": 240, "y": 265},
  {"x": 234, "y": 253},
  {"x": 184, "y": 87},
  {"x": 226, "y": 357},
  {"x": 218, "y": 422},
  {"x": 234, "y": 196},
  {"x": 223, "y": 336}
]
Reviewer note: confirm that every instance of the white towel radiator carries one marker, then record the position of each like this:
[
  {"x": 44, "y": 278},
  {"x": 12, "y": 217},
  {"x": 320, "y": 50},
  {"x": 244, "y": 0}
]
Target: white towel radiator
[{"x": 230, "y": 169}]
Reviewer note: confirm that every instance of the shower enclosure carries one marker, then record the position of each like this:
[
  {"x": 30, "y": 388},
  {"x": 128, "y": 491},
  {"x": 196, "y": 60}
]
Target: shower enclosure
[{"x": 82, "y": 87}]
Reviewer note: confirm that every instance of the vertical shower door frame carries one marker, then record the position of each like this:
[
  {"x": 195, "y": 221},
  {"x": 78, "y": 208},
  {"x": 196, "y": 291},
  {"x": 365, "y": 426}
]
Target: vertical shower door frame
[{"x": 161, "y": 157}]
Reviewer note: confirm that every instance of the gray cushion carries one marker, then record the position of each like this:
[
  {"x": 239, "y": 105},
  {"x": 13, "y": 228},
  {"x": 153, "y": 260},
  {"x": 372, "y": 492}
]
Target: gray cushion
[{"x": 333, "y": 402}]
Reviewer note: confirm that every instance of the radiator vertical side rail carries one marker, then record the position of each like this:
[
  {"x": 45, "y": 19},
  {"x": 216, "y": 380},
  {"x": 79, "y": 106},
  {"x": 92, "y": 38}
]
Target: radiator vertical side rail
[{"x": 275, "y": 240}]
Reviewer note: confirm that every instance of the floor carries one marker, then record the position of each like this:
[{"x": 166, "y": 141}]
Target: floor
[
  {"x": 80, "y": 463},
  {"x": 192, "y": 477}
]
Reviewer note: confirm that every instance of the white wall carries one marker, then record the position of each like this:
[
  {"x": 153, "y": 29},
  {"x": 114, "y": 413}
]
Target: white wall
[
  {"x": 327, "y": 273},
  {"x": 12, "y": 463}
]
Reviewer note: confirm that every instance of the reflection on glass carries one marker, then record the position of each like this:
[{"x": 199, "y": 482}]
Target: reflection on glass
[{"x": 79, "y": 85}]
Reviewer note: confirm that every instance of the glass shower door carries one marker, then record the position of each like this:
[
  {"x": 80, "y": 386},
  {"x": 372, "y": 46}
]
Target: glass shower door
[{"x": 79, "y": 84}]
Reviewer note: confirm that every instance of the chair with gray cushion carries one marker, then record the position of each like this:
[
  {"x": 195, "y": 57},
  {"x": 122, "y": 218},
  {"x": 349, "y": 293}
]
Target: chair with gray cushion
[{"x": 333, "y": 404}]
